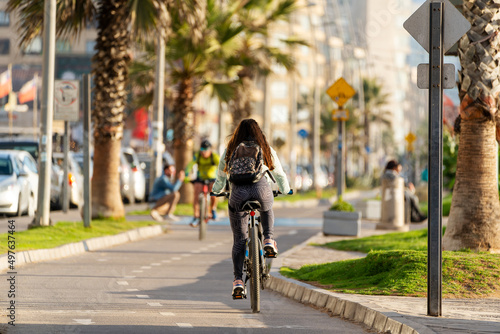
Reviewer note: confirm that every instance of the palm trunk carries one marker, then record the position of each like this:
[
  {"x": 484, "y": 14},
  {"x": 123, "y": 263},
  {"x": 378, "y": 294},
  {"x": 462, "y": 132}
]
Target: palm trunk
[
  {"x": 110, "y": 73},
  {"x": 242, "y": 102},
  {"x": 183, "y": 133},
  {"x": 474, "y": 221}
]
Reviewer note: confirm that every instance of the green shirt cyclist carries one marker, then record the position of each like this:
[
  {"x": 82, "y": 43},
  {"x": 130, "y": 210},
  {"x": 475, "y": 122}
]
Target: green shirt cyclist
[{"x": 207, "y": 162}]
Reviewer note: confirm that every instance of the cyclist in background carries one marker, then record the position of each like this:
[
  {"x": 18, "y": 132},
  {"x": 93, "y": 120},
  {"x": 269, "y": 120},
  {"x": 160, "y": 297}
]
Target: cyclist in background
[
  {"x": 207, "y": 162},
  {"x": 249, "y": 130}
]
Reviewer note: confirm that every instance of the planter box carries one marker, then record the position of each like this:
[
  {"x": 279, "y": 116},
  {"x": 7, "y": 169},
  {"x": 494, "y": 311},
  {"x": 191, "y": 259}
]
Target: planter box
[
  {"x": 341, "y": 223},
  {"x": 370, "y": 209}
]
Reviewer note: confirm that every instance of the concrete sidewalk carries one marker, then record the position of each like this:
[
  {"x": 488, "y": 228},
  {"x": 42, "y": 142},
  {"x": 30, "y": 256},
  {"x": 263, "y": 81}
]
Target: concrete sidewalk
[{"x": 386, "y": 314}]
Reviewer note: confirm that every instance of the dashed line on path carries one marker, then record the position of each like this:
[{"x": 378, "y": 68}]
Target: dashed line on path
[
  {"x": 293, "y": 232},
  {"x": 142, "y": 296},
  {"x": 122, "y": 282},
  {"x": 137, "y": 271},
  {"x": 166, "y": 261},
  {"x": 155, "y": 304},
  {"x": 196, "y": 251},
  {"x": 176, "y": 258},
  {"x": 155, "y": 264},
  {"x": 84, "y": 321},
  {"x": 132, "y": 290},
  {"x": 102, "y": 260},
  {"x": 184, "y": 325},
  {"x": 167, "y": 314},
  {"x": 129, "y": 277},
  {"x": 146, "y": 267},
  {"x": 186, "y": 255}
]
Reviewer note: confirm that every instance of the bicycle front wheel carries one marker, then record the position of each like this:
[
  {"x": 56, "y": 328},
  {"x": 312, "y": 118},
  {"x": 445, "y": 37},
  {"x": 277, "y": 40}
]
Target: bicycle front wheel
[
  {"x": 202, "y": 225},
  {"x": 255, "y": 266}
]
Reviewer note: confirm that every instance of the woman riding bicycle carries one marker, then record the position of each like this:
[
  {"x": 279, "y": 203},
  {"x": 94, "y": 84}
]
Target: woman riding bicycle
[{"x": 249, "y": 131}]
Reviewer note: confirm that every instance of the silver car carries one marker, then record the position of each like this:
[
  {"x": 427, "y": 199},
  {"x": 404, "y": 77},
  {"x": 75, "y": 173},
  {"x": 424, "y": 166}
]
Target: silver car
[
  {"x": 138, "y": 177},
  {"x": 75, "y": 177},
  {"x": 18, "y": 183}
]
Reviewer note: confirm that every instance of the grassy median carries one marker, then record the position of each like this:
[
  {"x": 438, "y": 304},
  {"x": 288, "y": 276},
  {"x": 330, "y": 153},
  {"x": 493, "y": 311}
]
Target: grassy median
[
  {"x": 397, "y": 265},
  {"x": 67, "y": 232}
]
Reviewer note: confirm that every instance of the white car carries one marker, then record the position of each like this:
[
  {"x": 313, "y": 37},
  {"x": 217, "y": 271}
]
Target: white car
[
  {"x": 138, "y": 177},
  {"x": 18, "y": 183}
]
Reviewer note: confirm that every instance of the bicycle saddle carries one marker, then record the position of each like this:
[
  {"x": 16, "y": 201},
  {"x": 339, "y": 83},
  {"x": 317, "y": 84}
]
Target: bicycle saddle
[{"x": 251, "y": 205}]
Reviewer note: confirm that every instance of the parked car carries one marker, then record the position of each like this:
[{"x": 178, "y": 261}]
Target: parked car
[
  {"x": 138, "y": 176},
  {"x": 18, "y": 183},
  {"x": 75, "y": 177},
  {"x": 32, "y": 147}
]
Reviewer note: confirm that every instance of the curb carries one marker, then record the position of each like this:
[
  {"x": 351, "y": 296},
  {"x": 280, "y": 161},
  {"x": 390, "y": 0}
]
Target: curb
[
  {"x": 338, "y": 304},
  {"x": 89, "y": 245}
]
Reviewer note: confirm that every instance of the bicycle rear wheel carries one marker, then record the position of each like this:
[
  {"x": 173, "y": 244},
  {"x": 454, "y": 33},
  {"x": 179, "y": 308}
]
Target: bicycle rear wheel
[
  {"x": 255, "y": 266},
  {"x": 202, "y": 225}
]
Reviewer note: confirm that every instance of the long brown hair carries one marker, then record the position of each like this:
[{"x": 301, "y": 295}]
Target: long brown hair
[{"x": 249, "y": 130}]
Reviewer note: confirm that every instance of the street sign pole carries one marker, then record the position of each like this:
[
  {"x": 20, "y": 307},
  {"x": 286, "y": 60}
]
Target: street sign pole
[
  {"x": 340, "y": 158},
  {"x": 434, "y": 280},
  {"x": 87, "y": 195},
  {"x": 65, "y": 193}
]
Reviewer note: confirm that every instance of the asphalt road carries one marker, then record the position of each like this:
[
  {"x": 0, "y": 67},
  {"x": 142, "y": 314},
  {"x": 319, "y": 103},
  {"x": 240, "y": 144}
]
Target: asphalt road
[{"x": 173, "y": 283}]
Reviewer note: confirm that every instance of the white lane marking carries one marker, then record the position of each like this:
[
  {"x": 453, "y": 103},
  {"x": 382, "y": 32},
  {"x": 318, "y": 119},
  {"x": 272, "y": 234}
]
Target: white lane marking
[
  {"x": 154, "y": 304},
  {"x": 122, "y": 283},
  {"x": 132, "y": 290},
  {"x": 102, "y": 260},
  {"x": 184, "y": 325},
  {"x": 293, "y": 232},
  {"x": 196, "y": 251},
  {"x": 128, "y": 277},
  {"x": 137, "y": 271},
  {"x": 142, "y": 296},
  {"x": 167, "y": 314},
  {"x": 155, "y": 264},
  {"x": 145, "y": 267},
  {"x": 84, "y": 321},
  {"x": 186, "y": 255},
  {"x": 176, "y": 258},
  {"x": 166, "y": 261}
]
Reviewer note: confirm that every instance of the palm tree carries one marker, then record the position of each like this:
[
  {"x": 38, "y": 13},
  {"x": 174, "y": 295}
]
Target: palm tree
[
  {"x": 255, "y": 56},
  {"x": 374, "y": 100},
  {"x": 474, "y": 220},
  {"x": 117, "y": 21}
]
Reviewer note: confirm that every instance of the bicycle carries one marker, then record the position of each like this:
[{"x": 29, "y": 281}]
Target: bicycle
[
  {"x": 256, "y": 268},
  {"x": 203, "y": 203}
]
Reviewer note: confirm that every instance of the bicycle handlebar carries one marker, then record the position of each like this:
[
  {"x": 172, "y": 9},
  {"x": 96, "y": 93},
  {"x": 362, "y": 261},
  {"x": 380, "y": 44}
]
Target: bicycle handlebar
[{"x": 226, "y": 194}]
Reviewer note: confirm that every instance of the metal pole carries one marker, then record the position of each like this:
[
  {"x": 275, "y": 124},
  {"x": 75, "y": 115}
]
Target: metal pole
[
  {"x": 434, "y": 266},
  {"x": 35, "y": 109},
  {"x": 157, "y": 124},
  {"x": 47, "y": 112},
  {"x": 293, "y": 133},
  {"x": 340, "y": 159},
  {"x": 87, "y": 195},
  {"x": 65, "y": 184}
]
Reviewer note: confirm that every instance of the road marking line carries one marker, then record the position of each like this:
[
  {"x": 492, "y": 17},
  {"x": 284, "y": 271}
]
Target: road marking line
[
  {"x": 184, "y": 325},
  {"x": 142, "y": 296},
  {"x": 167, "y": 314},
  {"x": 84, "y": 321},
  {"x": 145, "y": 267},
  {"x": 128, "y": 277},
  {"x": 132, "y": 290},
  {"x": 122, "y": 283},
  {"x": 186, "y": 255},
  {"x": 155, "y": 264},
  {"x": 196, "y": 251},
  {"x": 137, "y": 271},
  {"x": 176, "y": 258},
  {"x": 102, "y": 260},
  {"x": 166, "y": 261},
  {"x": 293, "y": 232},
  {"x": 154, "y": 304}
]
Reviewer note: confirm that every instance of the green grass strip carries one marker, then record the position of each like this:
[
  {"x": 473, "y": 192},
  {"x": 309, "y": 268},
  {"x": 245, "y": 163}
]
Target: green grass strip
[
  {"x": 404, "y": 272},
  {"x": 67, "y": 232}
]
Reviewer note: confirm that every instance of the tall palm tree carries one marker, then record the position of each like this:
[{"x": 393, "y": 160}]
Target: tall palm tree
[
  {"x": 117, "y": 22},
  {"x": 374, "y": 100},
  {"x": 255, "y": 56},
  {"x": 474, "y": 220}
]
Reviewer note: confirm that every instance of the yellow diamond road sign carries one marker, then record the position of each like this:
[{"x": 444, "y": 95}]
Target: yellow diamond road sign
[
  {"x": 410, "y": 138},
  {"x": 340, "y": 92}
]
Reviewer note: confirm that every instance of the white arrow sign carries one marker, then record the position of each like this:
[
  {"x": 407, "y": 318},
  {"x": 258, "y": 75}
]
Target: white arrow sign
[
  {"x": 455, "y": 25},
  {"x": 84, "y": 321}
]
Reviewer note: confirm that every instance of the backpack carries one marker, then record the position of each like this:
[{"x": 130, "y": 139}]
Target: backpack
[{"x": 246, "y": 164}]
